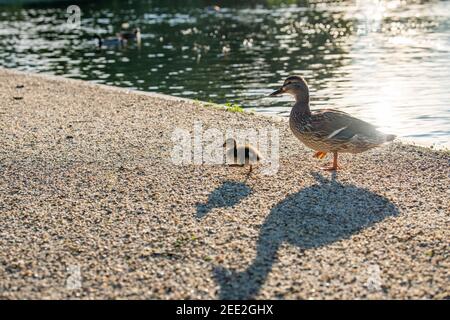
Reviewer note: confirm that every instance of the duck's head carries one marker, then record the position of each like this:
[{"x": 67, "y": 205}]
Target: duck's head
[{"x": 293, "y": 85}]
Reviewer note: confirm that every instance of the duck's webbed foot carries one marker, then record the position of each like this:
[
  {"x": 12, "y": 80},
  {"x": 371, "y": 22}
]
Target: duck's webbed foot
[
  {"x": 320, "y": 155},
  {"x": 334, "y": 166}
]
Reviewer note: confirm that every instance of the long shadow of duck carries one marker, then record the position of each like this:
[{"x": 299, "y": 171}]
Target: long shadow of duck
[
  {"x": 228, "y": 194},
  {"x": 319, "y": 215}
]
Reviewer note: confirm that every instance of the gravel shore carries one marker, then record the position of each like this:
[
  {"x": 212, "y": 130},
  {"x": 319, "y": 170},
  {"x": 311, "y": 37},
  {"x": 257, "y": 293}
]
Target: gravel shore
[{"x": 92, "y": 207}]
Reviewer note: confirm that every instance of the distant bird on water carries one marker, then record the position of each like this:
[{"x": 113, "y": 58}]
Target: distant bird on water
[
  {"x": 121, "y": 39},
  {"x": 213, "y": 8},
  {"x": 328, "y": 130},
  {"x": 241, "y": 155},
  {"x": 117, "y": 41},
  {"x": 134, "y": 35}
]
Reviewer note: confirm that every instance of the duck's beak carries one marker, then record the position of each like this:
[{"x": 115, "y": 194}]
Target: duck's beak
[{"x": 277, "y": 92}]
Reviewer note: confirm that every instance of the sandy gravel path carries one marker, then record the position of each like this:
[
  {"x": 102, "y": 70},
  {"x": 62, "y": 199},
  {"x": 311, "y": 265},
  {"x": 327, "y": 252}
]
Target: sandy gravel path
[{"x": 91, "y": 206}]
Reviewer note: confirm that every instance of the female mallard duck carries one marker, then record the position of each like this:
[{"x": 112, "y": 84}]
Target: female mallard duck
[
  {"x": 328, "y": 130},
  {"x": 241, "y": 155}
]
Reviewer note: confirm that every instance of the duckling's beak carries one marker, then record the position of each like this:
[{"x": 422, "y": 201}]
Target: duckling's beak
[{"x": 277, "y": 92}]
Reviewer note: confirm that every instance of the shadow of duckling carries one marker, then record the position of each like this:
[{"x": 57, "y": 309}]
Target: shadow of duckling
[
  {"x": 316, "y": 216},
  {"x": 228, "y": 194}
]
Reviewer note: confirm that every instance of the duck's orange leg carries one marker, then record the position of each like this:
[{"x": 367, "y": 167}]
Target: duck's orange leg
[
  {"x": 335, "y": 166},
  {"x": 320, "y": 155}
]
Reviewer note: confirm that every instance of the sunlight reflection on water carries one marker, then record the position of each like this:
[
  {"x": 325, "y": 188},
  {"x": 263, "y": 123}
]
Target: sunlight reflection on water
[{"x": 387, "y": 62}]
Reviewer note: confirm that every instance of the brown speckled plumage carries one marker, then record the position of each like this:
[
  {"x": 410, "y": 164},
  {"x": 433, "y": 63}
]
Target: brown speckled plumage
[{"x": 328, "y": 130}]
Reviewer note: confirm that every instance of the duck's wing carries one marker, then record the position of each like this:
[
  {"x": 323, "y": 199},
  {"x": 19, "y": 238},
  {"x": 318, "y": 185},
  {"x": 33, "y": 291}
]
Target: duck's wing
[{"x": 329, "y": 124}]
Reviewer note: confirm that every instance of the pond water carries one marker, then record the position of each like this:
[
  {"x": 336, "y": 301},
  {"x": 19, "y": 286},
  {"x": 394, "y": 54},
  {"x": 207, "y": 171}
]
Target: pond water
[{"x": 387, "y": 62}]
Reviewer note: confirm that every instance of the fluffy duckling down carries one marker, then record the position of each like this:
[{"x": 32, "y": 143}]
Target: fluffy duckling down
[{"x": 241, "y": 155}]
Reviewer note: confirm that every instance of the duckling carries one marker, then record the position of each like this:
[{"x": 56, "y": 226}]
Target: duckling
[
  {"x": 328, "y": 130},
  {"x": 241, "y": 155}
]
